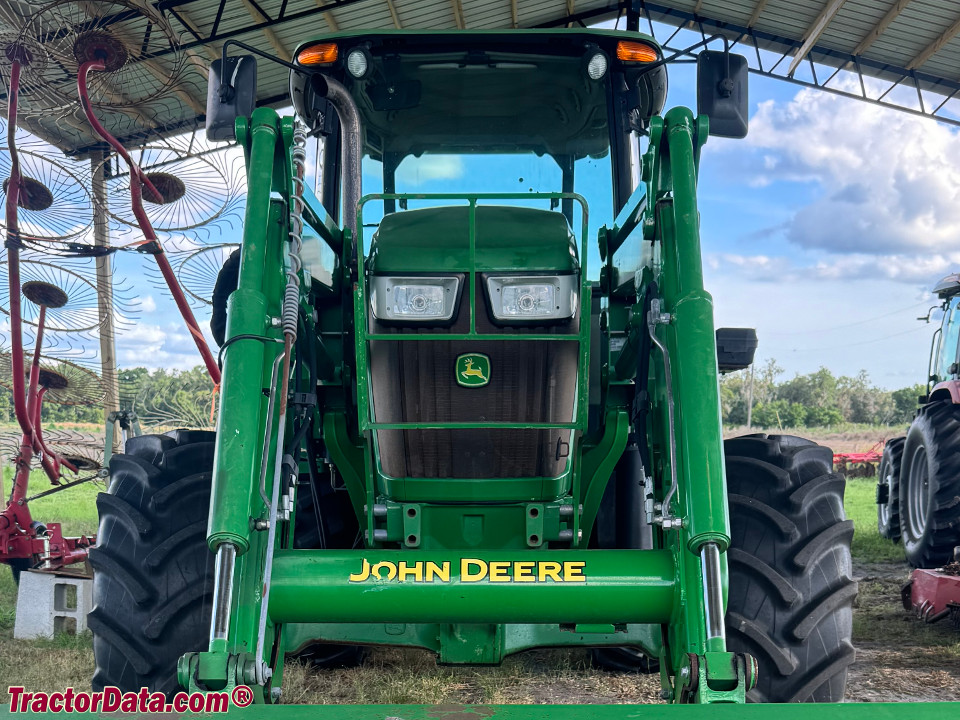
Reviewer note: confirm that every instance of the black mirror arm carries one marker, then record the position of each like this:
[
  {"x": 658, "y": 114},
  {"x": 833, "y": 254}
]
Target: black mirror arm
[
  {"x": 686, "y": 51},
  {"x": 226, "y": 89}
]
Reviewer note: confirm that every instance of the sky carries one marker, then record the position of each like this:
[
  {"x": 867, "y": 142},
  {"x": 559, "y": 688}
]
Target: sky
[{"x": 824, "y": 229}]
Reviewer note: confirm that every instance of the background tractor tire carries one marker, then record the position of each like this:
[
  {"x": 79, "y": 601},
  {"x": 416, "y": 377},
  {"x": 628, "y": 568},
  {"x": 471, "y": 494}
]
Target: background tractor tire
[
  {"x": 153, "y": 572},
  {"x": 888, "y": 490},
  {"x": 334, "y": 526},
  {"x": 791, "y": 593},
  {"x": 624, "y": 659},
  {"x": 930, "y": 486},
  {"x": 621, "y": 524},
  {"x": 17, "y": 566}
]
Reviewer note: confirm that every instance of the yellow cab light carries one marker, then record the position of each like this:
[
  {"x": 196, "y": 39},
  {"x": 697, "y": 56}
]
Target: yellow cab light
[
  {"x": 319, "y": 54},
  {"x": 636, "y": 52}
]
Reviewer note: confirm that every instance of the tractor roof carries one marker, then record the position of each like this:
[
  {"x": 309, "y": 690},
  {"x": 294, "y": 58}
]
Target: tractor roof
[
  {"x": 494, "y": 92},
  {"x": 948, "y": 286}
]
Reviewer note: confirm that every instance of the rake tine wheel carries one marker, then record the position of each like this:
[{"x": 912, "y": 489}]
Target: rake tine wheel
[{"x": 128, "y": 73}]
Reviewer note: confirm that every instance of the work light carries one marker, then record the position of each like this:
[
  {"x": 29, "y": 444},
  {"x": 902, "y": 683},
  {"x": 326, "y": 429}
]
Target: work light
[
  {"x": 525, "y": 297},
  {"x": 358, "y": 63},
  {"x": 597, "y": 66},
  {"x": 413, "y": 298}
]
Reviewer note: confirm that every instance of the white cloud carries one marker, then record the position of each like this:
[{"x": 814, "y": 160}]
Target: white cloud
[
  {"x": 887, "y": 182},
  {"x": 170, "y": 346},
  {"x": 416, "y": 171},
  {"x": 916, "y": 270}
]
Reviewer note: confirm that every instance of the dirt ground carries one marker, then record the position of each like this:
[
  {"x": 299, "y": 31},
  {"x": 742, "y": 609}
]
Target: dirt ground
[{"x": 899, "y": 658}]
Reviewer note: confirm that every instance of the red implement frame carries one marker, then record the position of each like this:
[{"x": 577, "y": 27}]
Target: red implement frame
[
  {"x": 21, "y": 538},
  {"x": 934, "y": 594},
  {"x": 842, "y": 461},
  {"x": 138, "y": 183}
]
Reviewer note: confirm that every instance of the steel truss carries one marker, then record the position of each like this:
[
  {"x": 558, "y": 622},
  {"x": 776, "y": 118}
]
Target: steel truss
[{"x": 784, "y": 50}]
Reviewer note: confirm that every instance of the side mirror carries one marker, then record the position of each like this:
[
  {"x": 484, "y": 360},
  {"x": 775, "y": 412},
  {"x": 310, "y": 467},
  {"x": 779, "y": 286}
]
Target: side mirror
[
  {"x": 735, "y": 348},
  {"x": 722, "y": 80},
  {"x": 231, "y": 93}
]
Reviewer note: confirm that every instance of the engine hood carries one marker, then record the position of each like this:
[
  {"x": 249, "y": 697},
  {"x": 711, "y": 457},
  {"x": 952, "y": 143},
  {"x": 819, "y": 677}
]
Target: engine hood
[{"x": 508, "y": 239}]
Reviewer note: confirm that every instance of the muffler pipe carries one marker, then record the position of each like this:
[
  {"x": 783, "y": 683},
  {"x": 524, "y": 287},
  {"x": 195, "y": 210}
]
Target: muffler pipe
[{"x": 351, "y": 148}]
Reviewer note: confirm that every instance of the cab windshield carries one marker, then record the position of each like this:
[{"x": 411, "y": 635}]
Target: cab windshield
[
  {"x": 459, "y": 121},
  {"x": 517, "y": 174}
]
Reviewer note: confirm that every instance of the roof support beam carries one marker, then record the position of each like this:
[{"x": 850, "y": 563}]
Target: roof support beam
[
  {"x": 328, "y": 16},
  {"x": 881, "y": 27},
  {"x": 692, "y": 25},
  {"x": 514, "y": 13},
  {"x": 935, "y": 47},
  {"x": 391, "y": 6},
  {"x": 814, "y": 32},
  {"x": 458, "y": 14},
  {"x": 755, "y": 15},
  {"x": 256, "y": 15}
]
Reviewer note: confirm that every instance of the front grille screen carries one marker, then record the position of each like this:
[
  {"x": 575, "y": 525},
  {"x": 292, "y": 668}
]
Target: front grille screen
[{"x": 415, "y": 381}]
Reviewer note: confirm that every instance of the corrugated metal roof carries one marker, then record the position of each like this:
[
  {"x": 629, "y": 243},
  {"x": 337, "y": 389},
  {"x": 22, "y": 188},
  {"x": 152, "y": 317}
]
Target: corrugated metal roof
[{"x": 908, "y": 42}]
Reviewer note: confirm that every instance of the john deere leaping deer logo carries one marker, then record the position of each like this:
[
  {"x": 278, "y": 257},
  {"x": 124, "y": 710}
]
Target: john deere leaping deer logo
[{"x": 473, "y": 370}]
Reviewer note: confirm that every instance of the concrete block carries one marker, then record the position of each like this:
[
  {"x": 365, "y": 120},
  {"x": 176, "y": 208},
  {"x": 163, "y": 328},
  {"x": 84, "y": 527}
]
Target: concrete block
[{"x": 48, "y": 603}]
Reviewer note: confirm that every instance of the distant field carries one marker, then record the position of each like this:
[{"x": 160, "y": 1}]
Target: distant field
[{"x": 899, "y": 658}]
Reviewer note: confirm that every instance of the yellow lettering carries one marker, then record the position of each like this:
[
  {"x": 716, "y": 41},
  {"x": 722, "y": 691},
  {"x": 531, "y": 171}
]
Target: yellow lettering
[
  {"x": 388, "y": 566},
  {"x": 480, "y": 574},
  {"x": 523, "y": 571},
  {"x": 440, "y": 572},
  {"x": 549, "y": 569},
  {"x": 573, "y": 571},
  {"x": 499, "y": 572},
  {"x": 363, "y": 574},
  {"x": 415, "y": 570}
]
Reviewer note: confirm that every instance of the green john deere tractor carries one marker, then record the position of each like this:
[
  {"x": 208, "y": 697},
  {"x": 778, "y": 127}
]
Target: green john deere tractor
[
  {"x": 437, "y": 430},
  {"x": 918, "y": 483}
]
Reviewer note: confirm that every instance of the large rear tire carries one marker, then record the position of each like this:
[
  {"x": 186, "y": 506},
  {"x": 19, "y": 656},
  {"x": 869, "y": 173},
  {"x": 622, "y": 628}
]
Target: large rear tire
[
  {"x": 791, "y": 592},
  {"x": 153, "y": 572},
  {"x": 930, "y": 486},
  {"x": 888, "y": 490}
]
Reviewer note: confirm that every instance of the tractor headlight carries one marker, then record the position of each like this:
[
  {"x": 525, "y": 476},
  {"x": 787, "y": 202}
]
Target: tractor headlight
[
  {"x": 413, "y": 298},
  {"x": 525, "y": 297}
]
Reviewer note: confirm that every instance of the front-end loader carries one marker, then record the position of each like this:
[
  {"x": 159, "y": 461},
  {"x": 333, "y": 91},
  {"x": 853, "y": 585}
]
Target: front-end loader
[{"x": 441, "y": 427}]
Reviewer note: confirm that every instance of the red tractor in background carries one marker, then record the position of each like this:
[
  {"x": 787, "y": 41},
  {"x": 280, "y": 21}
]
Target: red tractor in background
[{"x": 918, "y": 486}]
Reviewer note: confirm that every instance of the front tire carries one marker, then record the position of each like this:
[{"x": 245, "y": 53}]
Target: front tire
[
  {"x": 153, "y": 572},
  {"x": 888, "y": 490},
  {"x": 930, "y": 486},
  {"x": 791, "y": 593}
]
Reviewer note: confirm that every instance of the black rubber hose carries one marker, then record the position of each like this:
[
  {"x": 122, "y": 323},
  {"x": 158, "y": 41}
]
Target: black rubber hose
[{"x": 641, "y": 399}]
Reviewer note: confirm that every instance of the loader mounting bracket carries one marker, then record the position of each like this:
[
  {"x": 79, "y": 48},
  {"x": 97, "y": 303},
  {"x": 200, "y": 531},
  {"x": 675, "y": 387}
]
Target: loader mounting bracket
[{"x": 716, "y": 677}]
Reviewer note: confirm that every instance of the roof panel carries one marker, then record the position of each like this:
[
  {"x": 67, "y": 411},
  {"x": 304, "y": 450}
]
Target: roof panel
[{"x": 780, "y": 27}]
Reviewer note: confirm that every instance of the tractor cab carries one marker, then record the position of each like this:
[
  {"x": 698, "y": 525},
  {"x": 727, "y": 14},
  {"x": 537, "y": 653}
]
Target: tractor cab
[
  {"x": 494, "y": 112},
  {"x": 488, "y": 165},
  {"x": 944, "y": 369}
]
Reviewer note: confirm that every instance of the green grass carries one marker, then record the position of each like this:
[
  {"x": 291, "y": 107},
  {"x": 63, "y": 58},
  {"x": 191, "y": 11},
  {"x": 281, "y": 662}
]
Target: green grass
[{"x": 861, "y": 507}]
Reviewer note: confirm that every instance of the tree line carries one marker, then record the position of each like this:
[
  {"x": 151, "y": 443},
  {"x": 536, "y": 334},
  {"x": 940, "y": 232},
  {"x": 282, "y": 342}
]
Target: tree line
[
  {"x": 184, "y": 397},
  {"x": 817, "y": 399},
  {"x": 159, "y": 398}
]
